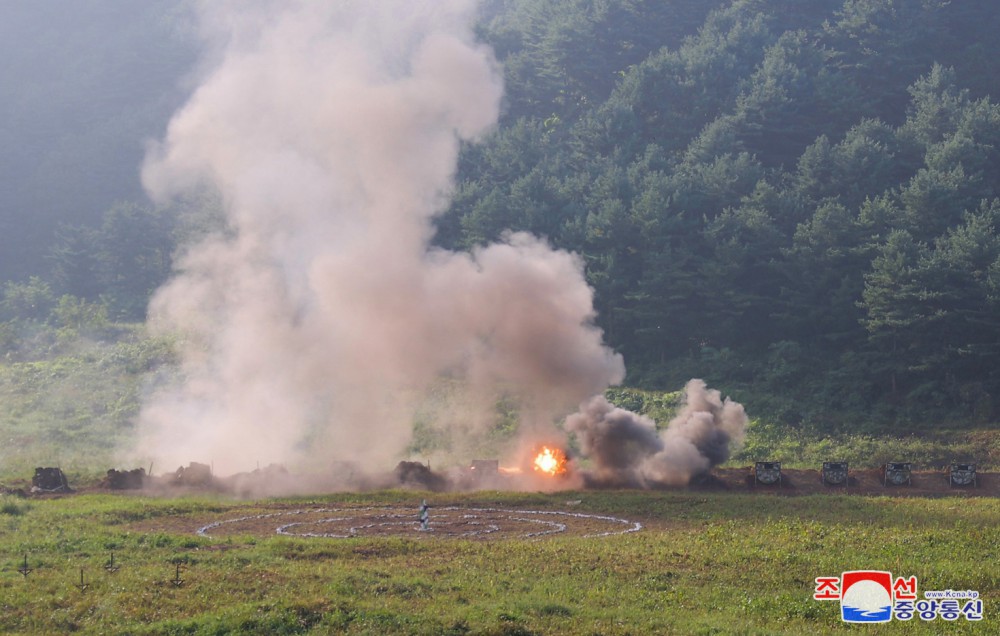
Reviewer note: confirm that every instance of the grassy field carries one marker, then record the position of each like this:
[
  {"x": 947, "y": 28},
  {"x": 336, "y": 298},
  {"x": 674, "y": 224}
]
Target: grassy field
[
  {"x": 704, "y": 563},
  {"x": 72, "y": 400}
]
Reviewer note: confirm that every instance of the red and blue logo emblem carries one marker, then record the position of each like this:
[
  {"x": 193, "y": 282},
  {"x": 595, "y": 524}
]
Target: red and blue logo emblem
[
  {"x": 874, "y": 596},
  {"x": 866, "y": 596}
]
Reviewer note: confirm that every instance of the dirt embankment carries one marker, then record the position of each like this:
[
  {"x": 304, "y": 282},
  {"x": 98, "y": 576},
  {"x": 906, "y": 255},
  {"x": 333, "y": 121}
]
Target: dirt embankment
[{"x": 276, "y": 481}]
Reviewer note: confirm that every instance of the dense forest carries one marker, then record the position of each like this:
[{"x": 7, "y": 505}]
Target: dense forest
[{"x": 797, "y": 200}]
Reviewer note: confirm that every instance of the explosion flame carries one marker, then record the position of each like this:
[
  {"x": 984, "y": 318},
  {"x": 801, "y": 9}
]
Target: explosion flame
[{"x": 551, "y": 461}]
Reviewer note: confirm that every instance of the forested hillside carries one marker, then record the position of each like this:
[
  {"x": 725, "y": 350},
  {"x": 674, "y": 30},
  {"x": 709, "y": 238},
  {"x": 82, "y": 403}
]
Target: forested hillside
[
  {"x": 83, "y": 87},
  {"x": 797, "y": 200}
]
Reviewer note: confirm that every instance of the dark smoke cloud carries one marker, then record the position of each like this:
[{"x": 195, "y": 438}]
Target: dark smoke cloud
[
  {"x": 618, "y": 441},
  {"x": 627, "y": 450}
]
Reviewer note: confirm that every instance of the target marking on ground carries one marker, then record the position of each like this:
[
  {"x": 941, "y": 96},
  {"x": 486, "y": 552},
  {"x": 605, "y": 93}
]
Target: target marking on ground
[{"x": 397, "y": 521}]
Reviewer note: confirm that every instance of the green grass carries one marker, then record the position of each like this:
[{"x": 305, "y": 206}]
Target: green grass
[
  {"x": 704, "y": 564},
  {"x": 72, "y": 400},
  {"x": 69, "y": 401},
  {"x": 928, "y": 450}
]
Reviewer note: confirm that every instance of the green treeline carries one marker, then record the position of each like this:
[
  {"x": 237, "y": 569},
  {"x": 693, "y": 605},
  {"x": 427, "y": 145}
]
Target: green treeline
[{"x": 796, "y": 200}]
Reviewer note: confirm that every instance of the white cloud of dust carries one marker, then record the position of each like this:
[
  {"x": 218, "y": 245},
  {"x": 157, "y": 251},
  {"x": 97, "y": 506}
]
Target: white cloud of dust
[{"x": 331, "y": 131}]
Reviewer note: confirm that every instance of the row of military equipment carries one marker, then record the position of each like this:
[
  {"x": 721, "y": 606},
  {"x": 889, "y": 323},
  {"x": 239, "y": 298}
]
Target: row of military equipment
[{"x": 892, "y": 473}]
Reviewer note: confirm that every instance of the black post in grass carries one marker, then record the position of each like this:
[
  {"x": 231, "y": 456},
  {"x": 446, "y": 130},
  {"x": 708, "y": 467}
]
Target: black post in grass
[
  {"x": 110, "y": 567},
  {"x": 24, "y": 569},
  {"x": 81, "y": 585},
  {"x": 177, "y": 580}
]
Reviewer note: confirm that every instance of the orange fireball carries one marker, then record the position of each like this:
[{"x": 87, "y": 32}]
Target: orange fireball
[{"x": 551, "y": 461}]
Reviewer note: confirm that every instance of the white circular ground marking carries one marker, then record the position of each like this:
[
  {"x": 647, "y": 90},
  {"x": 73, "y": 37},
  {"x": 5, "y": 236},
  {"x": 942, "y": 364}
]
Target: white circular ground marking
[{"x": 444, "y": 521}]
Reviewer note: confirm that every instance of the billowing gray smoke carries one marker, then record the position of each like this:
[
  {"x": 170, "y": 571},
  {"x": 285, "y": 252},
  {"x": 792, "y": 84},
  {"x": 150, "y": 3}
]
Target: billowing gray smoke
[
  {"x": 318, "y": 322},
  {"x": 627, "y": 450},
  {"x": 313, "y": 326}
]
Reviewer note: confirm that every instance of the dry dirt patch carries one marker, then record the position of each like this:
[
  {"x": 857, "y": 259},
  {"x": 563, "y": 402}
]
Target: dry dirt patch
[{"x": 331, "y": 522}]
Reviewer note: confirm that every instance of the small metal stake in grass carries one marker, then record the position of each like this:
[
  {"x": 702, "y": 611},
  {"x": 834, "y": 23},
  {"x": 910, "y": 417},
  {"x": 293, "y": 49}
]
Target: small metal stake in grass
[
  {"x": 177, "y": 580},
  {"x": 81, "y": 585},
  {"x": 24, "y": 569},
  {"x": 111, "y": 567}
]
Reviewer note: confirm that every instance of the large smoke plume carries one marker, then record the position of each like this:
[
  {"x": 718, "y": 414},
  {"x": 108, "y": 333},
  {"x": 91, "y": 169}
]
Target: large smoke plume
[
  {"x": 331, "y": 131},
  {"x": 627, "y": 450},
  {"x": 313, "y": 326}
]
